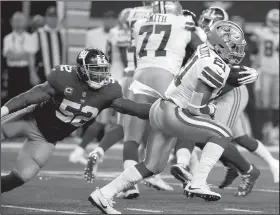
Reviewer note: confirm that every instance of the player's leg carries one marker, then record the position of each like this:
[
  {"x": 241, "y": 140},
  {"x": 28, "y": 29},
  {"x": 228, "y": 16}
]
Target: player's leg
[
  {"x": 12, "y": 126},
  {"x": 183, "y": 151},
  {"x": 32, "y": 157},
  {"x": 274, "y": 135},
  {"x": 134, "y": 127},
  {"x": 262, "y": 95},
  {"x": 77, "y": 155},
  {"x": 197, "y": 129},
  {"x": 256, "y": 147},
  {"x": 158, "y": 150}
]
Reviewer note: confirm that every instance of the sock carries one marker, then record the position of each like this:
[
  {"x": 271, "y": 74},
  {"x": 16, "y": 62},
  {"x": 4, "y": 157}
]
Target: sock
[
  {"x": 91, "y": 132},
  {"x": 183, "y": 157},
  {"x": 211, "y": 153},
  {"x": 275, "y": 117},
  {"x": 99, "y": 151},
  {"x": 130, "y": 151},
  {"x": 264, "y": 154},
  {"x": 142, "y": 152},
  {"x": 10, "y": 182},
  {"x": 193, "y": 162},
  {"x": 232, "y": 155},
  {"x": 126, "y": 179},
  {"x": 129, "y": 163},
  {"x": 111, "y": 137},
  {"x": 79, "y": 150}
]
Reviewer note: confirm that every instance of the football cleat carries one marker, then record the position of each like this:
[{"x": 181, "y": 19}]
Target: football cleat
[
  {"x": 181, "y": 173},
  {"x": 203, "y": 192},
  {"x": 157, "y": 183},
  {"x": 97, "y": 199},
  {"x": 248, "y": 182},
  {"x": 274, "y": 168},
  {"x": 94, "y": 159},
  {"x": 130, "y": 193},
  {"x": 77, "y": 156},
  {"x": 229, "y": 178}
]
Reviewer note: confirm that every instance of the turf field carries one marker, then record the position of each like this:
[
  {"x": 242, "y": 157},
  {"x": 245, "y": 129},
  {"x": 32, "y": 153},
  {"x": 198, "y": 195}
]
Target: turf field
[{"x": 61, "y": 189}]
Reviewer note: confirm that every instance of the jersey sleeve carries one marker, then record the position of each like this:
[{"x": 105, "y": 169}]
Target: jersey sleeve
[
  {"x": 212, "y": 75},
  {"x": 58, "y": 76}
]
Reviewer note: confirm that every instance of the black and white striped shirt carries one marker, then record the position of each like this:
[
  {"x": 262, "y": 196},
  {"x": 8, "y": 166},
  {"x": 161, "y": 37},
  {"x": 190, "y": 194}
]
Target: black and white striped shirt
[{"x": 51, "y": 50}]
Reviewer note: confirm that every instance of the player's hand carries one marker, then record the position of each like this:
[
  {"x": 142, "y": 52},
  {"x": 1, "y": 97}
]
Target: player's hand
[
  {"x": 250, "y": 75},
  {"x": 213, "y": 110},
  {"x": 4, "y": 111}
]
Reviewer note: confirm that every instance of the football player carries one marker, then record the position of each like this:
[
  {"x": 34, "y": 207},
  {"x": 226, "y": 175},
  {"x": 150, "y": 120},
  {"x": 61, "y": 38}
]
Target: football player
[
  {"x": 231, "y": 106},
  {"x": 184, "y": 111},
  {"x": 71, "y": 97},
  {"x": 118, "y": 41},
  {"x": 267, "y": 86},
  {"x": 130, "y": 149}
]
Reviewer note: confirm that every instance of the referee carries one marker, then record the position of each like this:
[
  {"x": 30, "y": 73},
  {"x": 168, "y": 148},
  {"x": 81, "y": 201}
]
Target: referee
[
  {"x": 17, "y": 50},
  {"x": 50, "y": 47}
]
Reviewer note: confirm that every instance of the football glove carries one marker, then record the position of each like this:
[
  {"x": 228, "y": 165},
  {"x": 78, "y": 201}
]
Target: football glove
[{"x": 249, "y": 75}]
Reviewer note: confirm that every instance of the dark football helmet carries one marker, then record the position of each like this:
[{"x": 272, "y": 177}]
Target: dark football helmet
[
  {"x": 93, "y": 67},
  {"x": 210, "y": 16}
]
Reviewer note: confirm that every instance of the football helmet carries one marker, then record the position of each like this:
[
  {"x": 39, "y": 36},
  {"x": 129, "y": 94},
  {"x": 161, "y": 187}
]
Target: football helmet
[
  {"x": 227, "y": 39},
  {"x": 93, "y": 67},
  {"x": 272, "y": 20},
  {"x": 210, "y": 16},
  {"x": 122, "y": 18},
  {"x": 147, "y": 3},
  {"x": 167, "y": 7},
  {"x": 189, "y": 13}
]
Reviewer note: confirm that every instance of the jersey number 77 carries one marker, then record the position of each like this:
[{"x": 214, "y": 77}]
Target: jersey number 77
[{"x": 156, "y": 29}]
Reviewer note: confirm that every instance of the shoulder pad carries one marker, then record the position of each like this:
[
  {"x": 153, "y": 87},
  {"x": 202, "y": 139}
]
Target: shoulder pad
[
  {"x": 214, "y": 72},
  {"x": 59, "y": 75}
]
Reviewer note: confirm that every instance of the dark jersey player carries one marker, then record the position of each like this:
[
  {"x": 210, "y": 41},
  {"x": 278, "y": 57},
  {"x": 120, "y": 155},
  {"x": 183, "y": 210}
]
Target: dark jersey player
[{"x": 71, "y": 97}]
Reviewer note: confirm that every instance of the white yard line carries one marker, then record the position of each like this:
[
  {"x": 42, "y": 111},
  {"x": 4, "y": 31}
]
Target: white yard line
[
  {"x": 118, "y": 146},
  {"x": 143, "y": 210},
  {"x": 108, "y": 176},
  {"x": 41, "y": 210},
  {"x": 241, "y": 210}
]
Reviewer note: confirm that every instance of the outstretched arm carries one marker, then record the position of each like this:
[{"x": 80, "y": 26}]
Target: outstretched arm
[
  {"x": 132, "y": 108},
  {"x": 37, "y": 94}
]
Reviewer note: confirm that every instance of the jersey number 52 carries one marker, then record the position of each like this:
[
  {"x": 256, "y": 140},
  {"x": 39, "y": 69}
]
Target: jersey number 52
[
  {"x": 156, "y": 29},
  {"x": 67, "y": 110}
]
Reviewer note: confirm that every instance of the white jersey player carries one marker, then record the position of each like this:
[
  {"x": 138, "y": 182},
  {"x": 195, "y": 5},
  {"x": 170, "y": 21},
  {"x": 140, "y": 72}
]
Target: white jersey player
[
  {"x": 159, "y": 54},
  {"x": 267, "y": 86},
  {"x": 168, "y": 119},
  {"x": 230, "y": 112}
]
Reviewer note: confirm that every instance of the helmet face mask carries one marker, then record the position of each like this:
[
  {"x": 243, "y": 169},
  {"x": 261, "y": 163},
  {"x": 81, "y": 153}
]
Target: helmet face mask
[
  {"x": 93, "y": 68},
  {"x": 227, "y": 39}
]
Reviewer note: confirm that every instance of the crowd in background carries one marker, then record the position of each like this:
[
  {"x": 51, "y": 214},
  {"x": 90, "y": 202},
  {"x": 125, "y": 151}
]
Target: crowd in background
[{"x": 32, "y": 47}]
